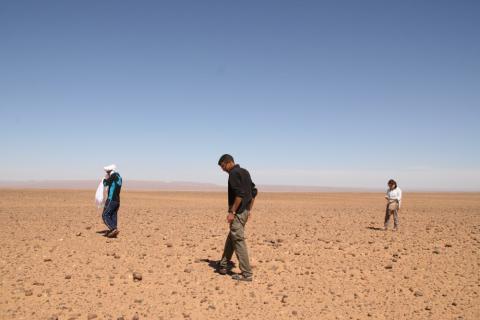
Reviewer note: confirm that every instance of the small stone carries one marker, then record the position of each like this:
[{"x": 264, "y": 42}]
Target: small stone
[
  {"x": 187, "y": 270},
  {"x": 211, "y": 307},
  {"x": 436, "y": 251},
  {"x": 54, "y": 317},
  {"x": 294, "y": 312},
  {"x": 388, "y": 266},
  {"x": 448, "y": 245},
  {"x": 136, "y": 317},
  {"x": 68, "y": 276},
  {"x": 121, "y": 318},
  {"x": 418, "y": 294},
  {"x": 28, "y": 292},
  {"x": 47, "y": 260},
  {"x": 79, "y": 234},
  {"x": 428, "y": 308},
  {"x": 92, "y": 316},
  {"x": 169, "y": 245},
  {"x": 36, "y": 283},
  {"x": 454, "y": 304},
  {"x": 138, "y": 300},
  {"x": 137, "y": 276}
]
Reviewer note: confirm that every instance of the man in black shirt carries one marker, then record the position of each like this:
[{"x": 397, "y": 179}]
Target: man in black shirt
[{"x": 241, "y": 196}]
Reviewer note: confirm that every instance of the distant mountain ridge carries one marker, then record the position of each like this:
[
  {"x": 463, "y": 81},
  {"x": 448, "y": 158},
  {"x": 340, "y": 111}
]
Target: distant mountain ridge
[{"x": 166, "y": 186}]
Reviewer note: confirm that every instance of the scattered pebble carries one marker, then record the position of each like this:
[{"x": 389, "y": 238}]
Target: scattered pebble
[
  {"x": 137, "y": 276},
  {"x": 418, "y": 294}
]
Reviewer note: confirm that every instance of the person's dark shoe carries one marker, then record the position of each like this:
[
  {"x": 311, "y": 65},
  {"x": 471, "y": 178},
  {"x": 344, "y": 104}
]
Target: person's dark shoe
[
  {"x": 113, "y": 234},
  {"x": 242, "y": 277}
]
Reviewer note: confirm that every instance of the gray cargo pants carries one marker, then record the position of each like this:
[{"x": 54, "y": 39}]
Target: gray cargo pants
[
  {"x": 391, "y": 207},
  {"x": 236, "y": 242}
]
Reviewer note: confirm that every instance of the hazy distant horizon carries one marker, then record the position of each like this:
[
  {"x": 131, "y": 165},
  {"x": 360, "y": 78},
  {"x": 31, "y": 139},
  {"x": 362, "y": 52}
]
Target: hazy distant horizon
[{"x": 155, "y": 185}]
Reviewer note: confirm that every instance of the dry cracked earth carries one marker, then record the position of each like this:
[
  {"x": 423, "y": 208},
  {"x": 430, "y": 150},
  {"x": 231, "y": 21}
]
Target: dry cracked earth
[{"x": 315, "y": 256}]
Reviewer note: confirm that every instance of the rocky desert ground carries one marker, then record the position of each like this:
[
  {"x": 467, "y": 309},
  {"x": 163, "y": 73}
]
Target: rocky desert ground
[{"x": 315, "y": 256}]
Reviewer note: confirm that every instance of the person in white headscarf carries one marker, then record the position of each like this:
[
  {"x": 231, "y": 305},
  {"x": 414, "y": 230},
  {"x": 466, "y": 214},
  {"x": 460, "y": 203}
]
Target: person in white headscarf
[{"x": 113, "y": 181}]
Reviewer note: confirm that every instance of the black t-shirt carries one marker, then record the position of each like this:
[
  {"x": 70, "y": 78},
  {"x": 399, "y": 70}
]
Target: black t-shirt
[{"x": 240, "y": 185}]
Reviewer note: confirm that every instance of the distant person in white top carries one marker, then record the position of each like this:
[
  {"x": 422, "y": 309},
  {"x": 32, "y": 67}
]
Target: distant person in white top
[{"x": 394, "y": 202}]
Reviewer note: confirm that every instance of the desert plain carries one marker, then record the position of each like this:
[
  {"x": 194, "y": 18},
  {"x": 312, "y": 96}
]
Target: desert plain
[{"x": 314, "y": 256}]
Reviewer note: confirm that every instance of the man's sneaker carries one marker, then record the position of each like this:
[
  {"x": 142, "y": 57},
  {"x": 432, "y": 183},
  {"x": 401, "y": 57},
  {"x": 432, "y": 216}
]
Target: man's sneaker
[
  {"x": 113, "y": 234},
  {"x": 241, "y": 277}
]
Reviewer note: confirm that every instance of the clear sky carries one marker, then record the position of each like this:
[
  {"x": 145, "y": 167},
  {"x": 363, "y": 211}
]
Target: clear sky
[{"x": 325, "y": 93}]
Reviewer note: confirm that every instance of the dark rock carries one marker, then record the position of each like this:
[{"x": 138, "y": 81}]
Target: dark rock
[
  {"x": 28, "y": 292},
  {"x": 137, "y": 276},
  {"x": 92, "y": 316},
  {"x": 418, "y": 294}
]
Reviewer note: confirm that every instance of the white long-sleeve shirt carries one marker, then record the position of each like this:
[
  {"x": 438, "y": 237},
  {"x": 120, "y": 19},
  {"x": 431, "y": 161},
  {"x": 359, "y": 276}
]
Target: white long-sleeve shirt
[{"x": 395, "y": 194}]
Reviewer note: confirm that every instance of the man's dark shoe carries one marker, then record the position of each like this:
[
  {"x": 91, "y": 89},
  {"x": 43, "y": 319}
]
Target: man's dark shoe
[
  {"x": 223, "y": 270},
  {"x": 113, "y": 234},
  {"x": 241, "y": 277}
]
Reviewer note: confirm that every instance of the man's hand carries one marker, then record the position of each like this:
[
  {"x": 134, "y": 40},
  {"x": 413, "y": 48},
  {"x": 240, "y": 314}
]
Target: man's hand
[{"x": 230, "y": 217}]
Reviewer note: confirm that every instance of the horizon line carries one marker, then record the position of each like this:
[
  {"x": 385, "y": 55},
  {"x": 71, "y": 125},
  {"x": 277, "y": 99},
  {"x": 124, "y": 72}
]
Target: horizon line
[{"x": 161, "y": 185}]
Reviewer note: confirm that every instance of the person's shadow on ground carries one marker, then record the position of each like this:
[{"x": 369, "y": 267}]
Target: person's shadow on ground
[
  {"x": 103, "y": 232},
  {"x": 214, "y": 264},
  {"x": 375, "y": 228}
]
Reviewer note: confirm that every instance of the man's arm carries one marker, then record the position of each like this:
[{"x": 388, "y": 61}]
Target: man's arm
[
  {"x": 233, "y": 209},
  {"x": 236, "y": 204},
  {"x": 250, "y": 206}
]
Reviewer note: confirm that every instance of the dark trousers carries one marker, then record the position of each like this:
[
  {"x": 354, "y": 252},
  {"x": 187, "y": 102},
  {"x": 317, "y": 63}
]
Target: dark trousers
[{"x": 109, "y": 214}]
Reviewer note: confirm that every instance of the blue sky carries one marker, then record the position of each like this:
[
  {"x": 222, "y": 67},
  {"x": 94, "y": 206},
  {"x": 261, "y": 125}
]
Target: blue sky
[{"x": 326, "y": 93}]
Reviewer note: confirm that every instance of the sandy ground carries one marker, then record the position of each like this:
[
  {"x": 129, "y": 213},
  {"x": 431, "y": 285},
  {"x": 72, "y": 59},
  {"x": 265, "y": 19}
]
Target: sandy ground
[{"x": 315, "y": 256}]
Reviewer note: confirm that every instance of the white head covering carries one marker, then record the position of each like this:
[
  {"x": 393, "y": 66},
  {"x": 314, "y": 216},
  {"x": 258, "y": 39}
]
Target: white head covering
[{"x": 111, "y": 167}]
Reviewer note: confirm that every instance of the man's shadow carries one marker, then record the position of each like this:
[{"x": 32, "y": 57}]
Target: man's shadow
[
  {"x": 215, "y": 265},
  {"x": 103, "y": 232},
  {"x": 376, "y": 228}
]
